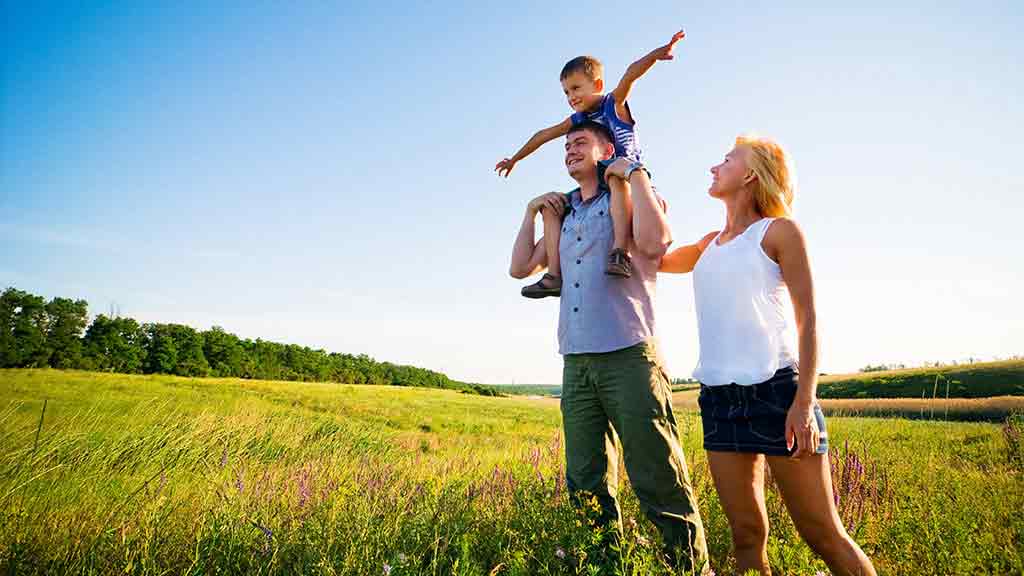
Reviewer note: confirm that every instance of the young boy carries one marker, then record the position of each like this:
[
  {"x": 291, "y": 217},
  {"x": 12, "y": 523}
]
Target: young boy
[{"x": 583, "y": 84}]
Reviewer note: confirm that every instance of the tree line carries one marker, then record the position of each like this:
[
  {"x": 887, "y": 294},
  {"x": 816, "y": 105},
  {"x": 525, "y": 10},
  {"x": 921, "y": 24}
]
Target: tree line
[{"x": 35, "y": 333}]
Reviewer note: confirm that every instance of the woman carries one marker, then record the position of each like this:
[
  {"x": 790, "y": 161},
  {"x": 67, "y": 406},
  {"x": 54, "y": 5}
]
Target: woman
[{"x": 756, "y": 405}]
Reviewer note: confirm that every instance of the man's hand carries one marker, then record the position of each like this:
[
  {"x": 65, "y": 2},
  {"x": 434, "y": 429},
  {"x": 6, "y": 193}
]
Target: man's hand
[
  {"x": 802, "y": 428},
  {"x": 504, "y": 168},
  {"x": 617, "y": 168},
  {"x": 665, "y": 52},
  {"x": 555, "y": 201}
]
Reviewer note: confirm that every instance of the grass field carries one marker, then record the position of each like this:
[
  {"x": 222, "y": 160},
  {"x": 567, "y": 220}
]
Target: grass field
[
  {"x": 980, "y": 380},
  {"x": 158, "y": 475},
  {"x": 995, "y": 409}
]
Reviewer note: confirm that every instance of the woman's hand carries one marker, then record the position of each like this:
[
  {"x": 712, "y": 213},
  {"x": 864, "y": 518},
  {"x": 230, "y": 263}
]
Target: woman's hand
[{"x": 802, "y": 428}]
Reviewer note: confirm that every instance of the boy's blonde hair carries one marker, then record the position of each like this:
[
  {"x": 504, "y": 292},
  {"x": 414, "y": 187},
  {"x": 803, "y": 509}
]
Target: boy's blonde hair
[
  {"x": 587, "y": 65},
  {"x": 776, "y": 179}
]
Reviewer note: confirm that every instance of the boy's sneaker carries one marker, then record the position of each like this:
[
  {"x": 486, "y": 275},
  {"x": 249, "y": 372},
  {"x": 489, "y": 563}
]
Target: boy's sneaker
[
  {"x": 619, "y": 264},
  {"x": 548, "y": 285}
]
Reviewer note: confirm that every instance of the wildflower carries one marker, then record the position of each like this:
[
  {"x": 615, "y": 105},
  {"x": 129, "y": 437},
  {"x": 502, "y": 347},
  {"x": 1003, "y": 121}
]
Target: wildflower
[
  {"x": 820, "y": 573},
  {"x": 387, "y": 569},
  {"x": 560, "y": 553},
  {"x": 401, "y": 558}
]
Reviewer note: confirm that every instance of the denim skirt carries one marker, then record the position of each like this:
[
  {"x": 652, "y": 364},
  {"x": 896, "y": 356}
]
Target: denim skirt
[{"x": 752, "y": 418}]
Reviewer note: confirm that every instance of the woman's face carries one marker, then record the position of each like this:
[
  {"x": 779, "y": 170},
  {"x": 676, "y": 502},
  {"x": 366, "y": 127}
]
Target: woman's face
[{"x": 728, "y": 177}]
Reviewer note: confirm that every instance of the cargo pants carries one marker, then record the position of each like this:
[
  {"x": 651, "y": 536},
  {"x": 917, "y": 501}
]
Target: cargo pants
[{"x": 624, "y": 399}]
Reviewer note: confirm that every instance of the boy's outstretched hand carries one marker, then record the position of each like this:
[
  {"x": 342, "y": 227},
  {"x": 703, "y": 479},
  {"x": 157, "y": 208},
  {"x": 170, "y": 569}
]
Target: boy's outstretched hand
[
  {"x": 504, "y": 168},
  {"x": 665, "y": 52}
]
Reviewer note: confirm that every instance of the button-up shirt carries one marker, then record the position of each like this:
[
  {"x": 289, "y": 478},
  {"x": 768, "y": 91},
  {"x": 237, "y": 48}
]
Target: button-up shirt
[{"x": 598, "y": 312}]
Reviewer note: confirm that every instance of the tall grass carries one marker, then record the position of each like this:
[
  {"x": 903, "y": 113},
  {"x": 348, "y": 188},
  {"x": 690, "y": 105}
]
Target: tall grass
[{"x": 157, "y": 475}]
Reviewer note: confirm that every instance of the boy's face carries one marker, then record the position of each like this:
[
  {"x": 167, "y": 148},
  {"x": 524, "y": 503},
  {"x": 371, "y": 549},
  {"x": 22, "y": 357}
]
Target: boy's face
[{"x": 582, "y": 92}]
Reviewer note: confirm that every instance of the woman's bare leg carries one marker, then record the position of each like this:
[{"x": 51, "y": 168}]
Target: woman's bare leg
[
  {"x": 806, "y": 486},
  {"x": 739, "y": 480}
]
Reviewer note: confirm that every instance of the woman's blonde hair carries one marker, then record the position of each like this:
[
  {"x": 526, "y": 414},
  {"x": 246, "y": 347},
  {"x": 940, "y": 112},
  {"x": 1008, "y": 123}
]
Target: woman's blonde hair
[{"x": 776, "y": 180}]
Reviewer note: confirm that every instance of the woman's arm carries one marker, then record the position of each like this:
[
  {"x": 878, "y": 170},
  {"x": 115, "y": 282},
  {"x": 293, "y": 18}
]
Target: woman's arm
[
  {"x": 684, "y": 259},
  {"x": 784, "y": 243}
]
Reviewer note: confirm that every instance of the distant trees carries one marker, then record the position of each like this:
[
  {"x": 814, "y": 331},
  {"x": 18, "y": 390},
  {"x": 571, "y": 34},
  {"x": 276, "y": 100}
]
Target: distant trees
[
  {"x": 115, "y": 345},
  {"x": 36, "y": 333}
]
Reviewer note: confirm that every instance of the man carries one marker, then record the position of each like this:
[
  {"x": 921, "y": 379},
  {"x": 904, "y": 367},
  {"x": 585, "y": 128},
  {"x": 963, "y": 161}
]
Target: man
[{"x": 613, "y": 384}]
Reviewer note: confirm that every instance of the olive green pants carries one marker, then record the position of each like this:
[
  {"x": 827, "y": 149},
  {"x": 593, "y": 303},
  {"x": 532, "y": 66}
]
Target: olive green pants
[{"x": 623, "y": 399}]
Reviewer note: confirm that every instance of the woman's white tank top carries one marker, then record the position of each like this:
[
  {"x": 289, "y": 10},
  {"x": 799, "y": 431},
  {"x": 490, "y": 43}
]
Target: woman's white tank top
[{"x": 744, "y": 314}]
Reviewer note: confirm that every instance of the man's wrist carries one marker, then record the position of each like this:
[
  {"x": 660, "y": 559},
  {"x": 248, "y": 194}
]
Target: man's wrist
[{"x": 633, "y": 166}]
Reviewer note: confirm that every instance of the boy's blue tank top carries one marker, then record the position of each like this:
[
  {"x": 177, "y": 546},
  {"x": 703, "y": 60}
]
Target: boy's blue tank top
[{"x": 627, "y": 143}]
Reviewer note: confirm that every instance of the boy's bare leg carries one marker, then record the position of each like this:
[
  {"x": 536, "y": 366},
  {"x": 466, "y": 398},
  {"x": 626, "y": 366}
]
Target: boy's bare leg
[
  {"x": 622, "y": 213},
  {"x": 550, "y": 283},
  {"x": 552, "y": 236},
  {"x": 621, "y": 201}
]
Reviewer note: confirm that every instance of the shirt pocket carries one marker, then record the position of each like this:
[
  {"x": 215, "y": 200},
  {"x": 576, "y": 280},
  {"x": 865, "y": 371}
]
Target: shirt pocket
[{"x": 597, "y": 231}]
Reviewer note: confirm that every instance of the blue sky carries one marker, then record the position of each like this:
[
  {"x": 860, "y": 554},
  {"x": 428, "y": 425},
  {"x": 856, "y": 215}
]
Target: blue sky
[{"x": 321, "y": 173}]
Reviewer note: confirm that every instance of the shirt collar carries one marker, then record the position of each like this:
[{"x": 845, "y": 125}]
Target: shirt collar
[{"x": 576, "y": 197}]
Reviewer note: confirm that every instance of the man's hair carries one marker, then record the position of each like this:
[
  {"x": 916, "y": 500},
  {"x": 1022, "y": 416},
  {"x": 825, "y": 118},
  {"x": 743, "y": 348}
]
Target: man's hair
[
  {"x": 587, "y": 65},
  {"x": 600, "y": 131}
]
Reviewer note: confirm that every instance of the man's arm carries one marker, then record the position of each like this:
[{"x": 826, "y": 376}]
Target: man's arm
[
  {"x": 651, "y": 232},
  {"x": 529, "y": 257},
  {"x": 543, "y": 136},
  {"x": 638, "y": 69},
  {"x": 684, "y": 259}
]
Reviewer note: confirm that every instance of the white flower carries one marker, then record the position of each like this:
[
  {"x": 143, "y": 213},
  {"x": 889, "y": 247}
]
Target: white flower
[
  {"x": 387, "y": 569},
  {"x": 560, "y": 553}
]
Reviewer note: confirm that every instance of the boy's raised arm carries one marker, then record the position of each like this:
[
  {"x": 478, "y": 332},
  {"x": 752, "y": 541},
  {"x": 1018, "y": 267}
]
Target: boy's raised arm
[
  {"x": 543, "y": 136},
  {"x": 638, "y": 69}
]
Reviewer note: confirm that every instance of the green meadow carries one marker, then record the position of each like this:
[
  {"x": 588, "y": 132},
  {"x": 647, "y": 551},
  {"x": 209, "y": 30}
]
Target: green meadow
[
  {"x": 978, "y": 380},
  {"x": 171, "y": 475}
]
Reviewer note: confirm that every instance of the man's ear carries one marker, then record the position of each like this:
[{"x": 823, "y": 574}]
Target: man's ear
[
  {"x": 599, "y": 84},
  {"x": 609, "y": 150},
  {"x": 750, "y": 177}
]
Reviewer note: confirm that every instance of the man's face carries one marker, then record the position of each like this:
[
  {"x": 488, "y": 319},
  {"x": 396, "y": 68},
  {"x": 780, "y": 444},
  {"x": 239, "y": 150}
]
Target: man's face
[{"x": 582, "y": 152}]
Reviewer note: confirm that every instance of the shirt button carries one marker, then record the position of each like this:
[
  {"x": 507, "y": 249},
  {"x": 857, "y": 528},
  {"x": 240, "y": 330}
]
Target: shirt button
[
  {"x": 579, "y": 238},
  {"x": 579, "y": 261},
  {"x": 576, "y": 285},
  {"x": 575, "y": 309},
  {"x": 601, "y": 213}
]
